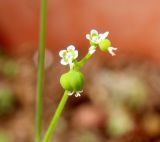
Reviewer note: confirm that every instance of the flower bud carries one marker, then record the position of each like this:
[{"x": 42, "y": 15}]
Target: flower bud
[
  {"x": 72, "y": 81},
  {"x": 104, "y": 45}
]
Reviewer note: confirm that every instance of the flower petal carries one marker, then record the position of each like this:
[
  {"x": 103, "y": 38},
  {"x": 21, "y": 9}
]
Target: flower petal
[
  {"x": 71, "y": 93},
  {"x": 92, "y": 49},
  {"x": 94, "y": 32},
  {"x": 104, "y": 35},
  {"x": 77, "y": 94},
  {"x": 71, "y": 48},
  {"x": 88, "y": 37},
  {"x": 62, "y": 52},
  {"x": 63, "y": 62},
  {"x": 111, "y": 50},
  {"x": 75, "y": 54}
]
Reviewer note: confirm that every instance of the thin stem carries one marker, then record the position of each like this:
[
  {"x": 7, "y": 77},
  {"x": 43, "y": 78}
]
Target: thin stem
[
  {"x": 62, "y": 103},
  {"x": 56, "y": 117},
  {"x": 40, "y": 81},
  {"x": 84, "y": 60}
]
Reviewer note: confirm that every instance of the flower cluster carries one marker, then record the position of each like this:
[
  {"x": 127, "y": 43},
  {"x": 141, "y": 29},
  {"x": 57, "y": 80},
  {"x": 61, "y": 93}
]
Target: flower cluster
[
  {"x": 95, "y": 39},
  {"x": 73, "y": 80}
]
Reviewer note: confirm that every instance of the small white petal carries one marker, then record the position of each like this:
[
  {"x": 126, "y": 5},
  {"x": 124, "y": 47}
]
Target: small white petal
[
  {"x": 88, "y": 37},
  {"x": 71, "y": 93},
  {"x": 71, "y": 47},
  {"x": 63, "y": 62},
  {"x": 61, "y": 53},
  {"x": 75, "y": 54},
  {"x": 94, "y": 32},
  {"x": 104, "y": 35},
  {"x": 77, "y": 94},
  {"x": 92, "y": 49},
  {"x": 111, "y": 50}
]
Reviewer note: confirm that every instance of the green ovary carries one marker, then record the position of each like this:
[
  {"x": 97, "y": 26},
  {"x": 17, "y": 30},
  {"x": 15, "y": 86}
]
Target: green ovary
[
  {"x": 72, "y": 81},
  {"x": 104, "y": 44}
]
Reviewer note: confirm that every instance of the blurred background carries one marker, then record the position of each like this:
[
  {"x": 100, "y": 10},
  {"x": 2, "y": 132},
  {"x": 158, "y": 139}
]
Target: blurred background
[{"x": 121, "y": 98}]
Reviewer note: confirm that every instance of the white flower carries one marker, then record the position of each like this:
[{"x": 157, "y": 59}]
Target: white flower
[
  {"x": 68, "y": 55},
  {"x": 111, "y": 50},
  {"x": 96, "y": 38},
  {"x": 92, "y": 49},
  {"x": 77, "y": 93}
]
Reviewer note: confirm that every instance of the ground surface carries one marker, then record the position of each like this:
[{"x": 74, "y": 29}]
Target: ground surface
[{"x": 119, "y": 92}]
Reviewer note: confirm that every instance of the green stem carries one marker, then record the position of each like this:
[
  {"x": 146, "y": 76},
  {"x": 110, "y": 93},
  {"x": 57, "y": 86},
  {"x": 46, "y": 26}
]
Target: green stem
[
  {"x": 56, "y": 117},
  {"x": 62, "y": 103},
  {"x": 40, "y": 81},
  {"x": 84, "y": 60}
]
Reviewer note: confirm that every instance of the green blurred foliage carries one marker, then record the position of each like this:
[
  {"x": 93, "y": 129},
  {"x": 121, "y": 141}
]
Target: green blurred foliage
[
  {"x": 9, "y": 69},
  {"x": 4, "y": 137},
  {"x": 119, "y": 123},
  {"x": 87, "y": 136},
  {"x": 7, "y": 101}
]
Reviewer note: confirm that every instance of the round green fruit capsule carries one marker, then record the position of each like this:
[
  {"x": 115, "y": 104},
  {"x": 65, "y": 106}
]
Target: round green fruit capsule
[
  {"x": 104, "y": 44},
  {"x": 72, "y": 81}
]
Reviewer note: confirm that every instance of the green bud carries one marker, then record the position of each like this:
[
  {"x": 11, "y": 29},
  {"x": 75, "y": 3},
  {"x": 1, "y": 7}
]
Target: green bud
[
  {"x": 72, "y": 81},
  {"x": 104, "y": 44}
]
